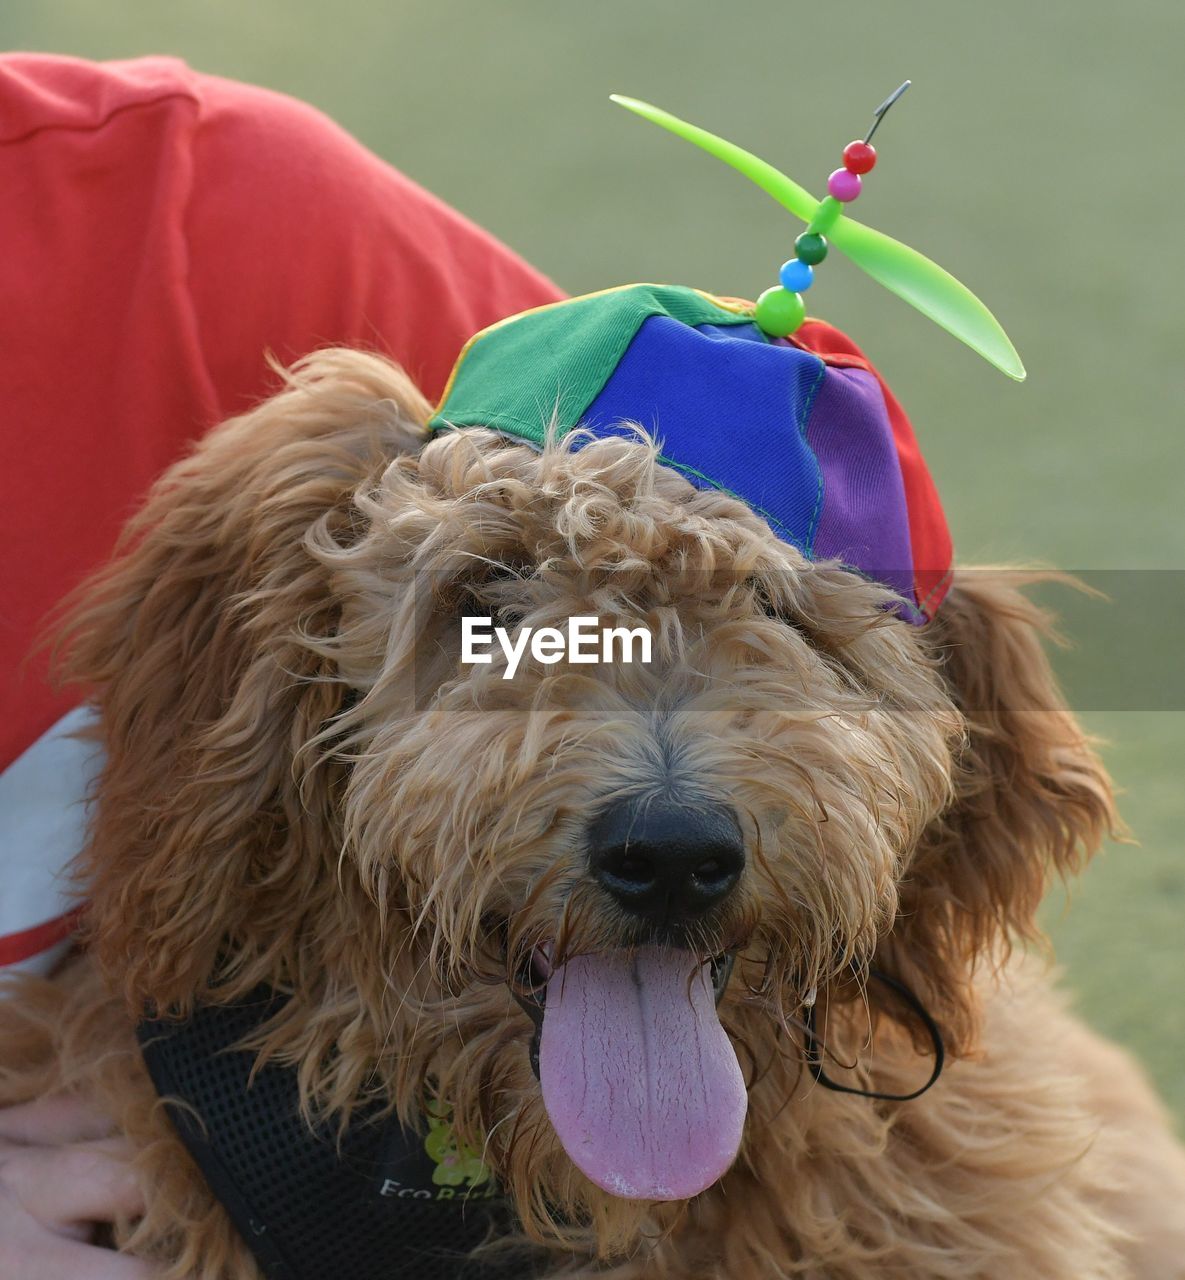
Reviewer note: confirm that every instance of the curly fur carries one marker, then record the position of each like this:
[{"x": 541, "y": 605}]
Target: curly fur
[{"x": 304, "y": 787}]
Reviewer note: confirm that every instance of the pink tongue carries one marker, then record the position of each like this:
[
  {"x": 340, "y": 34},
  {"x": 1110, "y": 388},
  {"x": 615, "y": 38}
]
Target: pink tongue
[{"x": 639, "y": 1078}]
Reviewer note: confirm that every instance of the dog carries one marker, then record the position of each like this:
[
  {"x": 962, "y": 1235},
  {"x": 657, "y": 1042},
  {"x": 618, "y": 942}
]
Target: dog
[{"x": 450, "y": 876}]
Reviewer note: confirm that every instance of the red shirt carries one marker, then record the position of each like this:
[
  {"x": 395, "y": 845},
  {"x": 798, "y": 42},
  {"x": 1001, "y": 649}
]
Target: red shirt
[{"x": 162, "y": 230}]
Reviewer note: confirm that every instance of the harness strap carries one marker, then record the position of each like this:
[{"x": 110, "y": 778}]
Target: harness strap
[
  {"x": 370, "y": 1203},
  {"x": 814, "y": 1048}
]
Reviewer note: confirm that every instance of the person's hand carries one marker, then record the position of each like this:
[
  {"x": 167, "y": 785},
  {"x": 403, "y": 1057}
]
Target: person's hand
[{"x": 60, "y": 1175}]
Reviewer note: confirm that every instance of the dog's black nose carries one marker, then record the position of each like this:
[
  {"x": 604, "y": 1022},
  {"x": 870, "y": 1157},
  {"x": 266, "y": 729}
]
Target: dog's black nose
[{"x": 666, "y": 859}]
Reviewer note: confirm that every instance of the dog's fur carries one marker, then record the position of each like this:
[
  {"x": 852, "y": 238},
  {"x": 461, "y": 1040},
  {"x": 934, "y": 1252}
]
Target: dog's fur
[{"x": 304, "y": 787}]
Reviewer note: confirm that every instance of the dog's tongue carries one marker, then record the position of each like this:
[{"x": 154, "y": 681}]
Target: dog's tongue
[{"x": 639, "y": 1079}]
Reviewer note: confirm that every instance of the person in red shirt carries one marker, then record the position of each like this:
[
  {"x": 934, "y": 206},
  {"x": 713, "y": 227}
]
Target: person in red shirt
[{"x": 164, "y": 231}]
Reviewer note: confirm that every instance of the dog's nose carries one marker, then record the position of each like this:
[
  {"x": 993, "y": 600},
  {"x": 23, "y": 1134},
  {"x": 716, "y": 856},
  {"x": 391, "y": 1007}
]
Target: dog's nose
[{"x": 666, "y": 859}]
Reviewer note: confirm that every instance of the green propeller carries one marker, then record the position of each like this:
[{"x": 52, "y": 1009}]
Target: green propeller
[{"x": 904, "y": 271}]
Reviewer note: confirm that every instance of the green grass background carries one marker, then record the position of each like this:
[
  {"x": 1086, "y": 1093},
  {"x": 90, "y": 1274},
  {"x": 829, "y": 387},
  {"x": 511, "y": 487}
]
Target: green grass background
[{"x": 1038, "y": 156}]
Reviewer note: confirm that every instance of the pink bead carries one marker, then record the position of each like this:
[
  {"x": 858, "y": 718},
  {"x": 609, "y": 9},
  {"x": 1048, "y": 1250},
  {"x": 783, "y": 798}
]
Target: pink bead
[{"x": 843, "y": 185}]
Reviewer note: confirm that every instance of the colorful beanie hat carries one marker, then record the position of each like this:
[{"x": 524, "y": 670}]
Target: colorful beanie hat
[
  {"x": 801, "y": 429},
  {"x": 752, "y": 399}
]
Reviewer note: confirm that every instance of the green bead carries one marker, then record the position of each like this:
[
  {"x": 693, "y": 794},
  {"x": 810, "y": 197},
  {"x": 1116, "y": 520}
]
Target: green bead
[
  {"x": 779, "y": 312},
  {"x": 810, "y": 248}
]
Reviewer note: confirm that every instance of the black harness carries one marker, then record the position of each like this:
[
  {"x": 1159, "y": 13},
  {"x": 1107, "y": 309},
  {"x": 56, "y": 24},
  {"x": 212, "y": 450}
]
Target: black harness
[
  {"x": 368, "y": 1204},
  {"x": 312, "y": 1205}
]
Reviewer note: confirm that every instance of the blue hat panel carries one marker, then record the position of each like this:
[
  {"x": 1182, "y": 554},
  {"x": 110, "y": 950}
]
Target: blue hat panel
[{"x": 729, "y": 410}]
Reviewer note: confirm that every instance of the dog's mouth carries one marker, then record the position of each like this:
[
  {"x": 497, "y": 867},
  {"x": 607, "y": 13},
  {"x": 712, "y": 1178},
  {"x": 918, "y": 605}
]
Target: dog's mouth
[
  {"x": 639, "y": 1079},
  {"x": 529, "y": 986}
]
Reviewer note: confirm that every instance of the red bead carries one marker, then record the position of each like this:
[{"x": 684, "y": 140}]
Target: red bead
[{"x": 859, "y": 157}]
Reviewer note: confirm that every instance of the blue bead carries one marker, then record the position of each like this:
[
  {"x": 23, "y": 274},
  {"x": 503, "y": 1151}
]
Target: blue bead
[{"x": 797, "y": 275}]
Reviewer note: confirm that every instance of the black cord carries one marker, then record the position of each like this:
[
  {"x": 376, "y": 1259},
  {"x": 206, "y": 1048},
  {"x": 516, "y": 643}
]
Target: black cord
[{"x": 814, "y": 1047}]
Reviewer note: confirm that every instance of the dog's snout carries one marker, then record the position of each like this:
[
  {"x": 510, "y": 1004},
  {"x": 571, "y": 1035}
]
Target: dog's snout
[{"x": 665, "y": 859}]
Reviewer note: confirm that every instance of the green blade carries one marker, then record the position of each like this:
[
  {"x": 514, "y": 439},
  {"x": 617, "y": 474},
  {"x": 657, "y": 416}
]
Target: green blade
[
  {"x": 933, "y": 291},
  {"x": 772, "y": 181},
  {"x": 902, "y": 270}
]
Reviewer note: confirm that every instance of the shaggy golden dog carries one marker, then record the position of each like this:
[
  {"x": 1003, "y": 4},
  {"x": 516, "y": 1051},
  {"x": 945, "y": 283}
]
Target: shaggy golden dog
[{"x": 305, "y": 788}]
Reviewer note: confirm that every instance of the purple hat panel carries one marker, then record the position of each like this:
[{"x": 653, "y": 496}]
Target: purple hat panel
[{"x": 865, "y": 520}]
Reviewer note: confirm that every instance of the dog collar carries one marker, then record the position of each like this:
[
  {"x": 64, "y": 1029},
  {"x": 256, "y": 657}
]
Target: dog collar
[{"x": 373, "y": 1202}]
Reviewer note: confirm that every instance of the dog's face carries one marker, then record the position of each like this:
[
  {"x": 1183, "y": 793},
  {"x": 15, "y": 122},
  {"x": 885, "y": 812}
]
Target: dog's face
[
  {"x": 585, "y": 904},
  {"x": 746, "y": 799}
]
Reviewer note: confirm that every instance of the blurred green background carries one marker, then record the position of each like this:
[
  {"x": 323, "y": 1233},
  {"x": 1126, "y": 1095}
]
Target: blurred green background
[{"x": 1038, "y": 156}]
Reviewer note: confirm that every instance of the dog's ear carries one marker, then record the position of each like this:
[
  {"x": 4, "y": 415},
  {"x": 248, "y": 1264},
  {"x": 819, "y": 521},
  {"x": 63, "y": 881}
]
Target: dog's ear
[
  {"x": 1031, "y": 799},
  {"x": 207, "y": 844}
]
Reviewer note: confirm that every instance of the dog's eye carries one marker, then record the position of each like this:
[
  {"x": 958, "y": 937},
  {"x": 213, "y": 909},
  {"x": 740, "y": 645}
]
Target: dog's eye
[
  {"x": 495, "y": 589},
  {"x": 772, "y": 608},
  {"x": 508, "y": 571}
]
